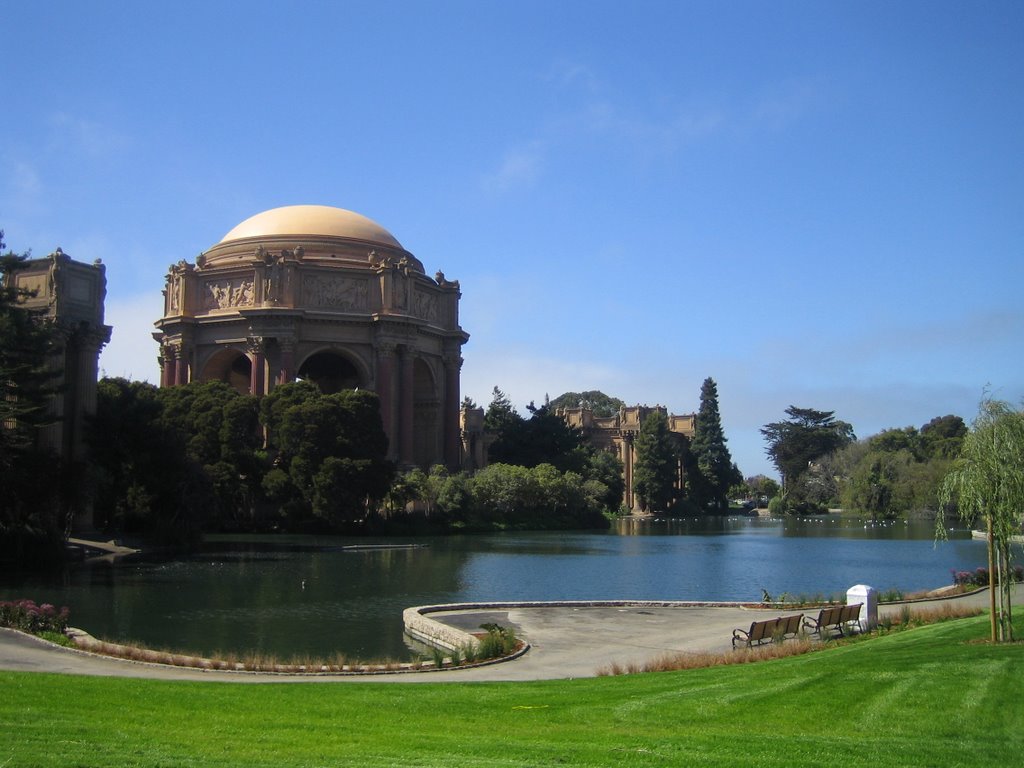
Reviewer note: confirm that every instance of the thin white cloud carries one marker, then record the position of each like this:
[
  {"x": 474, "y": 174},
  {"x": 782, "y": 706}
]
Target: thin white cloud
[
  {"x": 80, "y": 135},
  {"x": 519, "y": 168},
  {"x": 782, "y": 104}
]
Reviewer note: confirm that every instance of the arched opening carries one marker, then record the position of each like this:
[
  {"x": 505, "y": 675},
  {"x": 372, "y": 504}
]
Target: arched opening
[
  {"x": 426, "y": 417},
  {"x": 331, "y": 372},
  {"x": 230, "y": 366}
]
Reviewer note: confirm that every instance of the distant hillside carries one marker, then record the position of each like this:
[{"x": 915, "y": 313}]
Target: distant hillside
[{"x": 597, "y": 401}]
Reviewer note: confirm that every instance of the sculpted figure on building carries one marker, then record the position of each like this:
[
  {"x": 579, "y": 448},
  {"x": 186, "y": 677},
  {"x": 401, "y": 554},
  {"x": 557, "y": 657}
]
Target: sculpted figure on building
[{"x": 327, "y": 295}]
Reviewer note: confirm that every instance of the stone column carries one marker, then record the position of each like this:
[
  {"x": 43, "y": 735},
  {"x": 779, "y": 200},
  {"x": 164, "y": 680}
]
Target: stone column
[
  {"x": 627, "y": 468},
  {"x": 180, "y": 365},
  {"x": 450, "y": 412},
  {"x": 286, "y": 372},
  {"x": 169, "y": 373},
  {"x": 257, "y": 379},
  {"x": 385, "y": 391},
  {"x": 407, "y": 404}
]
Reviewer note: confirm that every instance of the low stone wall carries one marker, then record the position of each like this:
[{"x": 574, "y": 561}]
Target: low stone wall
[{"x": 420, "y": 626}]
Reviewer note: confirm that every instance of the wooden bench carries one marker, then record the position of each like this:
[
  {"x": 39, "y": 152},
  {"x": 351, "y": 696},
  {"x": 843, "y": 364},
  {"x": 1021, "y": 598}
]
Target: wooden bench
[
  {"x": 767, "y": 630},
  {"x": 835, "y": 617}
]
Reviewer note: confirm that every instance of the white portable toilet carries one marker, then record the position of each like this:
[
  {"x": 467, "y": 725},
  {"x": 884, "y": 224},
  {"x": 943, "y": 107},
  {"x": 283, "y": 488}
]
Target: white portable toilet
[{"x": 868, "y": 597}]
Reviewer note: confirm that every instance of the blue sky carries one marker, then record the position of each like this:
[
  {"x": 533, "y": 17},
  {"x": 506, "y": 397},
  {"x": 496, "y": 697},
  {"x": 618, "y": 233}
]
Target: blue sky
[{"x": 817, "y": 204}]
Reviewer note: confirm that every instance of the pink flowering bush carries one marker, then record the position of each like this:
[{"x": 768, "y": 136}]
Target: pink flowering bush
[
  {"x": 979, "y": 576},
  {"x": 29, "y": 617}
]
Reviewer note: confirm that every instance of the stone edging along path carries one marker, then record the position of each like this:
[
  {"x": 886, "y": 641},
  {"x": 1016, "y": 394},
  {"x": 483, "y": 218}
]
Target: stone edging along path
[
  {"x": 87, "y": 644},
  {"x": 420, "y": 626}
]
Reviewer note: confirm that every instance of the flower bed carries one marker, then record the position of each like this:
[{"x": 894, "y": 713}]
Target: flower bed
[{"x": 29, "y": 617}]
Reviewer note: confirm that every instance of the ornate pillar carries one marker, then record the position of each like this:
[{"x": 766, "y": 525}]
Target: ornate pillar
[
  {"x": 385, "y": 391},
  {"x": 407, "y": 404},
  {"x": 450, "y": 411},
  {"x": 286, "y": 371},
  {"x": 257, "y": 376},
  {"x": 627, "y": 468},
  {"x": 169, "y": 365},
  {"x": 180, "y": 365}
]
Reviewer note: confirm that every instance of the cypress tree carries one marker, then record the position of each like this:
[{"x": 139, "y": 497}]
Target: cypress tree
[{"x": 715, "y": 470}]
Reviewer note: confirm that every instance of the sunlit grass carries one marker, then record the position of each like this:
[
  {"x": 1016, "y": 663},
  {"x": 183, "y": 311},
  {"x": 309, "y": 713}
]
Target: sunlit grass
[{"x": 934, "y": 695}]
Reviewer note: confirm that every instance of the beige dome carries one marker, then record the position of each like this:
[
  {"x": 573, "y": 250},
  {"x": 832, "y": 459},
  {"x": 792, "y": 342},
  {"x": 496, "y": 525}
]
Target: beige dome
[{"x": 314, "y": 221}]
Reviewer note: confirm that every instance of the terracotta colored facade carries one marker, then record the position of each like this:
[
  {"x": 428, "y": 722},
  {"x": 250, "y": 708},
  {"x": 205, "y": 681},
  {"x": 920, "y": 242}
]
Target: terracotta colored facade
[
  {"x": 616, "y": 433},
  {"x": 326, "y": 295},
  {"x": 71, "y": 293}
]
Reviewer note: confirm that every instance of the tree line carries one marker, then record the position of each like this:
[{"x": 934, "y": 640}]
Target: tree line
[
  {"x": 896, "y": 473},
  {"x": 708, "y": 470}
]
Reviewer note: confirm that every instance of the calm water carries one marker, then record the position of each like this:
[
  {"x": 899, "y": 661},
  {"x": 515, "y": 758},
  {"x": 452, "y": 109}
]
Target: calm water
[{"x": 319, "y": 596}]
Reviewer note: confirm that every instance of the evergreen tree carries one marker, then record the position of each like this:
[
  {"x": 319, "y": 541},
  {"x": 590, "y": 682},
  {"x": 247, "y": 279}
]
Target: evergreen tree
[
  {"x": 500, "y": 414},
  {"x": 715, "y": 471},
  {"x": 657, "y": 464},
  {"x": 30, "y": 505},
  {"x": 807, "y": 435}
]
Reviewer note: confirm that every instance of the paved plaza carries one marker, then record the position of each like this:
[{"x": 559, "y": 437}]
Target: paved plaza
[{"x": 565, "y": 642}]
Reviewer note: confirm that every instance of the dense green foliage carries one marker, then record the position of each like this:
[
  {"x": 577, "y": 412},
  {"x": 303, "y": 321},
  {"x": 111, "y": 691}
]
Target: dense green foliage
[
  {"x": 656, "y": 469},
  {"x": 898, "y": 471},
  {"x": 176, "y": 461},
  {"x": 598, "y": 402},
  {"x": 143, "y": 478},
  {"x": 503, "y": 497},
  {"x": 796, "y": 445},
  {"x": 987, "y": 482},
  {"x": 36, "y": 487},
  {"x": 927, "y": 696},
  {"x": 715, "y": 473},
  {"x": 546, "y": 439}
]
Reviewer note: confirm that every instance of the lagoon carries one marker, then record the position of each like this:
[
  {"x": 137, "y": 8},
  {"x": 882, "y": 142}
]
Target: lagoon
[{"x": 321, "y": 596}]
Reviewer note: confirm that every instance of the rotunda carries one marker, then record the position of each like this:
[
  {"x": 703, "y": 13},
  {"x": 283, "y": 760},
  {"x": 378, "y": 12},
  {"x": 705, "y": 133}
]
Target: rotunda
[{"x": 326, "y": 295}]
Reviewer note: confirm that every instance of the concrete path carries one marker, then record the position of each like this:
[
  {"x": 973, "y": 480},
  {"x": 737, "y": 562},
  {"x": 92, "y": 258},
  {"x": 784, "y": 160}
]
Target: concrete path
[{"x": 565, "y": 643}]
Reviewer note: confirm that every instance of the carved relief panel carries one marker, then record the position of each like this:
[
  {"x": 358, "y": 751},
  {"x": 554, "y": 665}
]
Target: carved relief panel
[
  {"x": 228, "y": 293},
  {"x": 349, "y": 294}
]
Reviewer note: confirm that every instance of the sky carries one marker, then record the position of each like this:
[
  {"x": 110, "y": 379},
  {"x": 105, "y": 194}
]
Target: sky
[{"x": 817, "y": 204}]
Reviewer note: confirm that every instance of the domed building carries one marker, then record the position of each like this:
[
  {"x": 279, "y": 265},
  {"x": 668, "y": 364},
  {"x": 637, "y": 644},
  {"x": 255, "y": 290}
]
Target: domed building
[{"x": 326, "y": 295}]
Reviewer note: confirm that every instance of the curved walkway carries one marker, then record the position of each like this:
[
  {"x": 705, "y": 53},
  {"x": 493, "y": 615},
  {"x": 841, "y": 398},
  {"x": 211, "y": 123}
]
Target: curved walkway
[{"x": 566, "y": 642}]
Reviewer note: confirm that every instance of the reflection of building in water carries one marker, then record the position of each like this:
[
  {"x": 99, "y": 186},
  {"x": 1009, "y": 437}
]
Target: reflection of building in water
[
  {"x": 70, "y": 294},
  {"x": 326, "y": 295},
  {"x": 616, "y": 433}
]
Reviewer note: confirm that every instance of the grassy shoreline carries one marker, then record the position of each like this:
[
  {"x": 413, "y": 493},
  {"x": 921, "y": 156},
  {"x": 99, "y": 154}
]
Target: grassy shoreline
[{"x": 932, "y": 695}]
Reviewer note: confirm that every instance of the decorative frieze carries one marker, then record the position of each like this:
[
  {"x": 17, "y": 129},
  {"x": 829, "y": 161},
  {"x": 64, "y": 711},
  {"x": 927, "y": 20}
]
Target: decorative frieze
[
  {"x": 426, "y": 307},
  {"x": 335, "y": 291},
  {"x": 225, "y": 294}
]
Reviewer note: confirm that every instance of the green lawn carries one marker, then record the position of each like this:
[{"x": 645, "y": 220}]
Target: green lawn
[{"x": 924, "y": 697}]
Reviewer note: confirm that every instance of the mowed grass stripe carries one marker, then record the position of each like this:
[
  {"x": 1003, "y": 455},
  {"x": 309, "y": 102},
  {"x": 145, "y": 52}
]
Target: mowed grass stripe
[{"x": 925, "y": 696}]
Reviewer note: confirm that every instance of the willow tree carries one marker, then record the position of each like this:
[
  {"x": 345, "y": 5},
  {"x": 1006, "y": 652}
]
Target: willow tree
[{"x": 987, "y": 481}]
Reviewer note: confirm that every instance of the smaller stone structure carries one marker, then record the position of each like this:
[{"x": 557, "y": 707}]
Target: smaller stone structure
[
  {"x": 71, "y": 294},
  {"x": 616, "y": 433}
]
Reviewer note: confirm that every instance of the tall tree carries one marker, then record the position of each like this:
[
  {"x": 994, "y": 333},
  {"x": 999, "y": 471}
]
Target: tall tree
[
  {"x": 656, "y": 468},
  {"x": 987, "y": 481},
  {"x": 500, "y": 414},
  {"x": 807, "y": 435},
  {"x": 30, "y": 505},
  {"x": 716, "y": 472}
]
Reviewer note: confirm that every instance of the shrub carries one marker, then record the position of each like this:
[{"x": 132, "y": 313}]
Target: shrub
[
  {"x": 29, "y": 617},
  {"x": 499, "y": 641}
]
